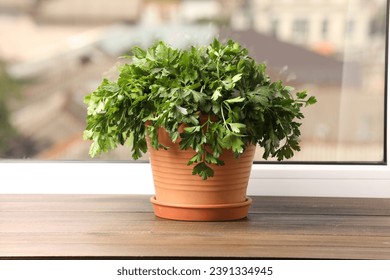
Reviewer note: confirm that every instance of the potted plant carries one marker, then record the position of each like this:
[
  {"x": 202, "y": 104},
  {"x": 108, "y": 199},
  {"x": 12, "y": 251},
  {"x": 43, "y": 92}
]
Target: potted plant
[{"x": 199, "y": 112}]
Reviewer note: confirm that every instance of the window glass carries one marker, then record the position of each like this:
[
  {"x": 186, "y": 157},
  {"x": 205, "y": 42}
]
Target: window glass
[
  {"x": 325, "y": 29},
  {"x": 300, "y": 30},
  {"x": 56, "y": 52}
]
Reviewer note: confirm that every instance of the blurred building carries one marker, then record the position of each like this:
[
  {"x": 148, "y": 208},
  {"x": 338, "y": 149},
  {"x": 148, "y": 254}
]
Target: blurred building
[
  {"x": 321, "y": 25},
  {"x": 89, "y": 12},
  {"x": 15, "y": 6}
]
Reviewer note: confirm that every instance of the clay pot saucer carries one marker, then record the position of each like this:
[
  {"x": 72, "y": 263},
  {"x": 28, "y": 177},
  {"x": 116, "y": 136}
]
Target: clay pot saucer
[{"x": 188, "y": 212}]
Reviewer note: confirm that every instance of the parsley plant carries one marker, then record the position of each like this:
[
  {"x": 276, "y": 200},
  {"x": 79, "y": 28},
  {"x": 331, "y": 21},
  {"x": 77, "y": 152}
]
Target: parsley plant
[{"x": 166, "y": 87}]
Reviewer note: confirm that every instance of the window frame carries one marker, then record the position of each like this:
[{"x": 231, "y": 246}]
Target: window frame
[{"x": 136, "y": 178}]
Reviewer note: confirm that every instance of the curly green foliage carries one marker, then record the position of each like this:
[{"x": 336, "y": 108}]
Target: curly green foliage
[{"x": 222, "y": 96}]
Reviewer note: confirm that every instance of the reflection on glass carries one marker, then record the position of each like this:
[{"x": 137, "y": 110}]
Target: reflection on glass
[{"x": 55, "y": 52}]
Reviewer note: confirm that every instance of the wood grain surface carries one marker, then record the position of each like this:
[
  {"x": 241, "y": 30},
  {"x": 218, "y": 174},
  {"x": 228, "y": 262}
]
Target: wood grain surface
[{"x": 124, "y": 226}]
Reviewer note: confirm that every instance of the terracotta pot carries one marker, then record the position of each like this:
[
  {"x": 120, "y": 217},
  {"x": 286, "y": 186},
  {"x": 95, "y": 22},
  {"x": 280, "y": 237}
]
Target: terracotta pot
[{"x": 183, "y": 196}]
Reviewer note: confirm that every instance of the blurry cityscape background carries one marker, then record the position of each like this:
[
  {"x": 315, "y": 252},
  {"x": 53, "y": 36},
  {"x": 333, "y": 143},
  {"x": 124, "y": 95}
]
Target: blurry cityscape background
[{"x": 54, "y": 52}]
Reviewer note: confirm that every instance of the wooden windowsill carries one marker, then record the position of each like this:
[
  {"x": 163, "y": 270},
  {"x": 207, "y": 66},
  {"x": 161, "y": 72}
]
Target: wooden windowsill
[{"x": 124, "y": 226}]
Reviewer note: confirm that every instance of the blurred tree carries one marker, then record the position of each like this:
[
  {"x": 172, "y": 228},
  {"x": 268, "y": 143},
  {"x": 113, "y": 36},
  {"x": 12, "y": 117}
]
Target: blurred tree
[
  {"x": 7, "y": 87},
  {"x": 12, "y": 144}
]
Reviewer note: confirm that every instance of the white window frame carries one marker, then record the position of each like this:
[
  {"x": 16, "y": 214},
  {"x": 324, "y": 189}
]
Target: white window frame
[{"x": 136, "y": 178}]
